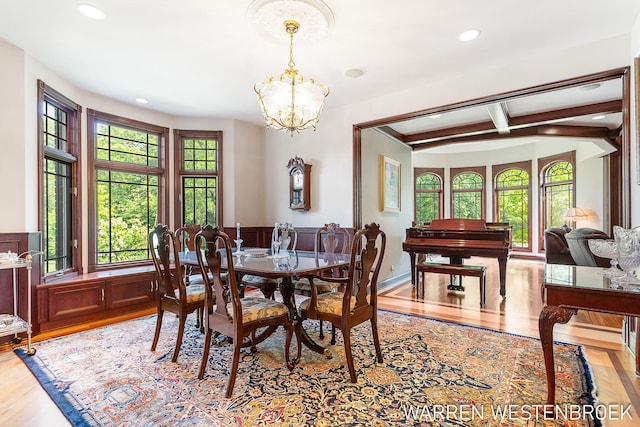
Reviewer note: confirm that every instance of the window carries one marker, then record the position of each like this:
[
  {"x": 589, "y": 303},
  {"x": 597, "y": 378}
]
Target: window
[
  {"x": 557, "y": 189},
  {"x": 127, "y": 170},
  {"x": 198, "y": 176},
  {"x": 511, "y": 202},
  {"x": 59, "y": 151},
  {"x": 467, "y": 192},
  {"x": 428, "y": 194}
]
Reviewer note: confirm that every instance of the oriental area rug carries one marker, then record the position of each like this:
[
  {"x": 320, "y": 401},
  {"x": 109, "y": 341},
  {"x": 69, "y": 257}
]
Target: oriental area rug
[{"x": 434, "y": 374}]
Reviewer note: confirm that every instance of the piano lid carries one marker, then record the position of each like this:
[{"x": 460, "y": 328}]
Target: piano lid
[{"x": 458, "y": 224}]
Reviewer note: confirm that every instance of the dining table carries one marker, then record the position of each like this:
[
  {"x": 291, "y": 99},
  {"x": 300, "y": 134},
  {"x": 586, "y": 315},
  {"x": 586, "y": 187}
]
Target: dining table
[{"x": 286, "y": 266}]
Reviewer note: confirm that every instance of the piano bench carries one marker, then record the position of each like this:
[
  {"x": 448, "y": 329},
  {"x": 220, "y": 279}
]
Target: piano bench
[{"x": 454, "y": 270}]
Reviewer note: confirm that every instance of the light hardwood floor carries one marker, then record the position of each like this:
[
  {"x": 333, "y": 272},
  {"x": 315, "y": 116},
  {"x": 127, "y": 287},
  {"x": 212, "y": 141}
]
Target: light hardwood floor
[{"x": 24, "y": 403}]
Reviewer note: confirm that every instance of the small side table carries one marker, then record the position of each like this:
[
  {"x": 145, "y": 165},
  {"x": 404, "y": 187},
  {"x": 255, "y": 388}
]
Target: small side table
[
  {"x": 13, "y": 324},
  {"x": 570, "y": 288}
]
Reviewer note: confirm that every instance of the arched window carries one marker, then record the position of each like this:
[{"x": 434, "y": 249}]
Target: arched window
[
  {"x": 512, "y": 193},
  {"x": 557, "y": 189},
  {"x": 467, "y": 193},
  {"x": 428, "y": 194}
]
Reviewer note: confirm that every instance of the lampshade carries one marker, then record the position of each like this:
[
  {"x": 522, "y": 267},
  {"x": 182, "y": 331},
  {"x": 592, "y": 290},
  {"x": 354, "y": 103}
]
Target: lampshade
[
  {"x": 290, "y": 102},
  {"x": 574, "y": 214}
]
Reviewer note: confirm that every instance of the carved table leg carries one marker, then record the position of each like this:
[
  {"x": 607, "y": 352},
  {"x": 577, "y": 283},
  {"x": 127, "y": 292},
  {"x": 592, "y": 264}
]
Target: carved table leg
[
  {"x": 549, "y": 316},
  {"x": 287, "y": 289}
]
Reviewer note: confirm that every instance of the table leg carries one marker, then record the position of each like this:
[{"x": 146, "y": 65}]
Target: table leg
[
  {"x": 414, "y": 271},
  {"x": 549, "y": 316},
  {"x": 502, "y": 264},
  {"x": 287, "y": 289}
]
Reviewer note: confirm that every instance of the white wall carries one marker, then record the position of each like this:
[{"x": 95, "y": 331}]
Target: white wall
[
  {"x": 395, "y": 261},
  {"x": 13, "y": 167}
]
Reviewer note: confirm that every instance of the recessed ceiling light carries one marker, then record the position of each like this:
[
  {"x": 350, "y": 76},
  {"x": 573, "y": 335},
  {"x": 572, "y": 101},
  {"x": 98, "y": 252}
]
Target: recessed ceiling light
[
  {"x": 142, "y": 101},
  {"x": 469, "y": 35},
  {"x": 354, "y": 72},
  {"x": 91, "y": 11},
  {"x": 591, "y": 86},
  {"x": 434, "y": 116},
  {"x": 600, "y": 117}
]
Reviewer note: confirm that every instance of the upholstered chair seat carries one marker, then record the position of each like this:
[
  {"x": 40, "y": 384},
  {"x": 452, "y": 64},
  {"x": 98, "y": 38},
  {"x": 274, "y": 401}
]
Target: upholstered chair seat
[
  {"x": 322, "y": 286},
  {"x": 328, "y": 303},
  {"x": 257, "y": 308}
]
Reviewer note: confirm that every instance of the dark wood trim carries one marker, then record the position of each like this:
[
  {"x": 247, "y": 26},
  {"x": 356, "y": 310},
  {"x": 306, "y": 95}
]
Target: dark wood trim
[
  {"x": 497, "y": 169},
  {"x": 74, "y": 154},
  {"x": 620, "y": 213},
  {"x": 623, "y": 217},
  {"x": 178, "y": 134},
  {"x": 501, "y": 97},
  {"x": 438, "y": 172},
  {"x": 487, "y": 129},
  {"x": 357, "y": 177},
  {"x": 94, "y": 116},
  {"x": 543, "y": 164},
  {"x": 541, "y": 131},
  {"x": 480, "y": 170}
]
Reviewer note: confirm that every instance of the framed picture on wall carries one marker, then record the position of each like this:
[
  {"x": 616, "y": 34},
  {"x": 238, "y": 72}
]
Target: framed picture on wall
[{"x": 389, "y": 185}]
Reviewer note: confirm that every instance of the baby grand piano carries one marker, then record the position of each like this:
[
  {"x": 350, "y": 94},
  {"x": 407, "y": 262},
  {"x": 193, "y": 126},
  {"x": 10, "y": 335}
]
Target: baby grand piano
[{"x": 459, "y": 238}]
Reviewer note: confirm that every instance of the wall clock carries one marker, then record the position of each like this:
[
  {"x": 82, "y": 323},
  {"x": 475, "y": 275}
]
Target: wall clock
[{"x": 299, "y": 184}]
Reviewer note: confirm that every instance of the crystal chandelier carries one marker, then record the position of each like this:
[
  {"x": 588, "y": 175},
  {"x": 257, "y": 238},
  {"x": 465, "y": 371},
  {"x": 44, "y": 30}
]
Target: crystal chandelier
[{"x": 291, "y": 103}]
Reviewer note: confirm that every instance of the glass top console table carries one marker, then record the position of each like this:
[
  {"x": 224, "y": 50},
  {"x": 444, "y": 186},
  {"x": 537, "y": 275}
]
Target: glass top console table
[{"x": 570, "y": 288}]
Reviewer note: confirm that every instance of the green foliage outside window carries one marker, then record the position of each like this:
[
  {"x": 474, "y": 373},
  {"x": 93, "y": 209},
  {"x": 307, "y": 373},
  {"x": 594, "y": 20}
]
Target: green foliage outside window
[
  {"x": 57, "y": 189},
  {"x": 200, "y": 200},
  {"x": 200, "y": 154},
  {"x": 512, "y": 192},
  {"x": 466, "y": 195},
  {"x": 428, "y": 188},
  {"x": 57, "y": 220},
  {"x": 558, "y": 193},
  {"x": 118, "y": 144},
  {"x": 199, "y": 182},
  {"x": 126, "y": 201}
]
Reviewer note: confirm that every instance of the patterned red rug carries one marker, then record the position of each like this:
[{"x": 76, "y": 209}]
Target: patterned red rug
[{"x": 434, "y": 374}]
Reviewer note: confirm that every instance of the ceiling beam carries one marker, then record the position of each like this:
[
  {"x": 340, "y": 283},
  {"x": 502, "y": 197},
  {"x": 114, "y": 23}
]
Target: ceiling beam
[
  {"x": 608, "y": 107},
  {"x": 488, "y": 127},
  {"x": 499, "y": 116},
  {"x": 541, "y": 131}
]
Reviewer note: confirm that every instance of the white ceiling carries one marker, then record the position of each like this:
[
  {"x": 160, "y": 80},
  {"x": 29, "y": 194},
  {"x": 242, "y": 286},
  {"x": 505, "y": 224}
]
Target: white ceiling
[{"x": 202, "y": 57}]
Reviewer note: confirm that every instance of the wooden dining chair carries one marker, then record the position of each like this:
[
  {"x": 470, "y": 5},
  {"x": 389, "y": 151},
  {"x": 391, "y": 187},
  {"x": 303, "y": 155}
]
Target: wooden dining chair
[
  {"x": 172, "y": 294},
  {"x": 269, "y": 285},
  {"x": 233, "y": 316},
  {"x": 329, "y": 240},
  {"x": 358, "y": 303}
]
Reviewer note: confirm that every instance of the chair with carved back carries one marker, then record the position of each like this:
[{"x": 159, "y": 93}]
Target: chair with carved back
[
  {"x": 172, "y": 294},
  {"x": 358, "y": 303},
  {"x": 186, "y": 241},
  {"x": 329, "y": 240},
  {"x": 288, "y": 236},
  {"x": 233, "y": 316}
]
